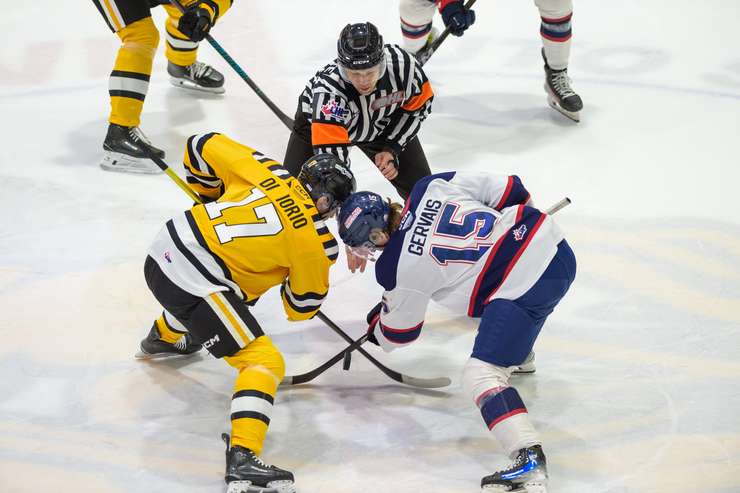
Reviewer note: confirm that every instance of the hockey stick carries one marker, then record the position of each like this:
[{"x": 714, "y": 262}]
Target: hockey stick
[
  {"x": 310, "y": 375},
  {"x": 427, "y": 383},
  {"x": 178, "y": 181},
  {"x": 557, "y": 206},
  {"x": 287, "y": 121},
  {"x": 345, "y": 354},
  {"x": 430, "y": 51}
]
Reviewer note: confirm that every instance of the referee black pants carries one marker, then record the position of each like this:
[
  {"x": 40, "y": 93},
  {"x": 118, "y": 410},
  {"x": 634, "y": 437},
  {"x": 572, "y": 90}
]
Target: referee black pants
[{"x": 412, "y": 163}]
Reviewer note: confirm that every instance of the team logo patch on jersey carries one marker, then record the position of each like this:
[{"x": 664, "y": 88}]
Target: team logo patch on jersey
[
  {"x": 333, "y": 109},
  {"x": 520, "y": 232},
  {"x": 387, "y": 100}
]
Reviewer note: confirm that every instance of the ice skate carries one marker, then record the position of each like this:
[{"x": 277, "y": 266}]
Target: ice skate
[
  {"x": 527, "y": 366},
  {"x": 152, "y": 347},
  {"x": 246, "y": 473},
  {"x": 198, "y": 76},
  {"x": 527, "y": 474},
  {"x": 128, "y": 150},
  {"x": 560, "y": 94},
  {"x": 426, "y": 51}
]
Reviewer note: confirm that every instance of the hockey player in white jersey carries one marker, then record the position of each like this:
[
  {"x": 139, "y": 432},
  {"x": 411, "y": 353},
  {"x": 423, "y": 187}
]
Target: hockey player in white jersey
[
  {"x": 555, "y": 31},
  {"x": 475, "y": 243}
]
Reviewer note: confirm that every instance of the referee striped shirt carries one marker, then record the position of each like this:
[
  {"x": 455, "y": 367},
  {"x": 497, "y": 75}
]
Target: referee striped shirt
[{"x": 391, "y": 115}]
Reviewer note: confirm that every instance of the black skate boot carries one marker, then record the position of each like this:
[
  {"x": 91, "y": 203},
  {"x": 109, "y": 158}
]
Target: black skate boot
[
  {"x": 560, "y": 94},
  {"x": 246, "y": 473},
  {"x": 527, "y": 473},
  {"x": 127, "y": 149},
  {"x": 198, "y": 76},
  {"x": 154, "y": 347}
]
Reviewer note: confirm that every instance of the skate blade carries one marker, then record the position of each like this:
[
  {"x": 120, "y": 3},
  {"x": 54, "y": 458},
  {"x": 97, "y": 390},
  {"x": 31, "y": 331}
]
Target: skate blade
[
  {"x": 121, "y": 163},
  {"x": 187, "y": 84},
  {"x": 272, "y": 487},
  {"x": 573, "y": 115},
  {"x": 533, "y": 486},
  {"x": 147, "y": 356}
]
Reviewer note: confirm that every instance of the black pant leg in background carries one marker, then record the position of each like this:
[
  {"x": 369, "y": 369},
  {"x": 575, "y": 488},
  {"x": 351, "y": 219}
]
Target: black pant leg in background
[
  {"x": 299, "y": 145},
  {"x": 412, "y": 165}
]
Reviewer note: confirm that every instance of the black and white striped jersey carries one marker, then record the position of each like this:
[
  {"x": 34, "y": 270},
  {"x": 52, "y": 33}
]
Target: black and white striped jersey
[{"x": 391, "y": 115}]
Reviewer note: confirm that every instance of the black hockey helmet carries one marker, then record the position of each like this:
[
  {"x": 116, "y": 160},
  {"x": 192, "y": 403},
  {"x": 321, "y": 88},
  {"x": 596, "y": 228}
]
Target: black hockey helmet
[
  {"x": 360, "y": 46},
  {"x": 324, "y": 175}
]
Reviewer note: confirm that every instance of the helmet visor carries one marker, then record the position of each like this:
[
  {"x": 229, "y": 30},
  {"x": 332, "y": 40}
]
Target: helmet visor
[{"x": 365, "y": 75}]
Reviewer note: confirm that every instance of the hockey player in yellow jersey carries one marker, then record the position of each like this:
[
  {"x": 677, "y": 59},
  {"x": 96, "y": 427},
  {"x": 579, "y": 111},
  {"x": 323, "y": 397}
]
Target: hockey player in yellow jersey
[
  {"x": 125, "y": 147},
  {"x": 258, "y": 227}
]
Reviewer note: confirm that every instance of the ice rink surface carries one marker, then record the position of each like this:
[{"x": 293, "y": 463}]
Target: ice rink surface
[{"x": 638, "y": 381}]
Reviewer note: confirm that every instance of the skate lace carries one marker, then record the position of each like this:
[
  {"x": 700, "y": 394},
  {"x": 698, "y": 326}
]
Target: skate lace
[
  {"x": 199, "y": 70},
  {"x": 137, "y": 135},
  {"x": 258, "y": 460},
  {"x": 561, "y": 83},
  {"x": 181, "y": 343}
]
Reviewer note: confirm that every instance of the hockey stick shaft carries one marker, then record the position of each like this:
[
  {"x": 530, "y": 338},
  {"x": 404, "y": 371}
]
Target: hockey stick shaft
[
  {"x": 178, "y": 181},
  {"x": 443, "y": 36},
  {"x": 429, "y": 383},
  {"x": 287, "y": 121}
]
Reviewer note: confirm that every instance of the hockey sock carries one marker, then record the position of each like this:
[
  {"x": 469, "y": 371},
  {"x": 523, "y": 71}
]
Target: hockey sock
[
  {"x": 261, "y": 368},
  {"x": 506, "y": 416},
  {"x": 129, "y": 80},
  {"x": 556, "y": 34},
  {"x": 168, "y": 328}
]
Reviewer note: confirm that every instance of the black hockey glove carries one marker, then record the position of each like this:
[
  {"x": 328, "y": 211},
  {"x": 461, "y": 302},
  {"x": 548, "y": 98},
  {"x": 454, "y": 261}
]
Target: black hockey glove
[
  {"x": 457, "y": 18},
  {"x": 373, "y": 317},
  {"x": 195, "y": 23}
]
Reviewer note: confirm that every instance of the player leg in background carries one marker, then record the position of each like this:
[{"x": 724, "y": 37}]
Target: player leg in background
[
  {"x": 299, "y": 145},
  {"x": 125, "y": 147},
  {"x": 222, "y": 322},
  {"x": 416, "y": 25},
  {"x": 506, "y": 335},
  {"x": 412, "y": 165},
  {"x": 185, "y": 71},
  {"x": 555, "y": 30}
]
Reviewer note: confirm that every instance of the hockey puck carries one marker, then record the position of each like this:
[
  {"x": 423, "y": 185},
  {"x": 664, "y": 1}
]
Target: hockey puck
[{"x": 347, "y": 360}]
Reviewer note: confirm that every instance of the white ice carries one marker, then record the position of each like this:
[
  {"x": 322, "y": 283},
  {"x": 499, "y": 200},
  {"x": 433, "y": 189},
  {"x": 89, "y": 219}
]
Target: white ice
[{"x": 638, "y": 381}]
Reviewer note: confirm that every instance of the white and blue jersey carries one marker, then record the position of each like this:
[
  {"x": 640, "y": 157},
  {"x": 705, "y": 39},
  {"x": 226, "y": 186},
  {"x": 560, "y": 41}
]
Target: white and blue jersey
[{"x": 463, "y": 241}]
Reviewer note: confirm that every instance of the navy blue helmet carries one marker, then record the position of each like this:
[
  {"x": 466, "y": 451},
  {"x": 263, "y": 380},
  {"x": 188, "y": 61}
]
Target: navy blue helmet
[{"x": 359, "y": 216}]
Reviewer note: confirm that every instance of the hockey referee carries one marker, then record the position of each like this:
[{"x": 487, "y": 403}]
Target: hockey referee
[{"x": 374, "y": 96}]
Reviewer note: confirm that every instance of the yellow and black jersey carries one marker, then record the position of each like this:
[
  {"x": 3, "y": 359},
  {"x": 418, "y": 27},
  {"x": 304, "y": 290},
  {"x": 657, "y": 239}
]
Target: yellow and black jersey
[{"x": 259, "y": 229}]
